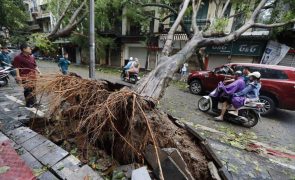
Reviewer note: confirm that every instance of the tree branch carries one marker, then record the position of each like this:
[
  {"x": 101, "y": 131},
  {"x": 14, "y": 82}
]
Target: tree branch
[
  {"x": 56, "y": 27},
  {"x": 261, "y": 25},
  {"x": 77, "y": 12},
  {"x": 224, "y": 9},
  {"x": 69, "y": 28},
  {"x": 168, "y": 44},
  {"x": 194, "y": 16},
  {"x": 185, "y": 29},
  {"x": 257, "y": 10}
]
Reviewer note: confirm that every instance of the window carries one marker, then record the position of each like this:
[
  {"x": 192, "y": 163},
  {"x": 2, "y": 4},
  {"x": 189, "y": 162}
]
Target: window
[
  {"x": 274, "y": 74},
  {"x": 266, "y": 73},
  {"x": 222, "y": 70}
]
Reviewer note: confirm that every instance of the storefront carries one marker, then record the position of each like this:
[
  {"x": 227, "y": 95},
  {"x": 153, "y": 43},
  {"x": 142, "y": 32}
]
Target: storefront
[{"x": 240, "y": 51}]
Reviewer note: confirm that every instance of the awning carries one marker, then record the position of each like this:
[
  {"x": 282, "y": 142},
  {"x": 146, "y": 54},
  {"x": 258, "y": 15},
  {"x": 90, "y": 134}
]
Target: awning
[{"x": 176, "y": 37}]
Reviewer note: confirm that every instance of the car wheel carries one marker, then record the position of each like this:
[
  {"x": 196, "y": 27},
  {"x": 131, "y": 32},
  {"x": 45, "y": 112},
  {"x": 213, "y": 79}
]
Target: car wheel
[
  {"x": 195, "y": 87},
  {"x": 269, "y": 105}
]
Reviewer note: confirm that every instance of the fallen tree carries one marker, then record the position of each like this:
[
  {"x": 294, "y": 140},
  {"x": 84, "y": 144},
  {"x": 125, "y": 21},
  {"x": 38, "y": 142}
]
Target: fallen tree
[{"x": 120, "y": 120}]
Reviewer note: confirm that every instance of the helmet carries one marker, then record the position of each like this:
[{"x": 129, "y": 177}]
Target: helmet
[
  {"x": 136, "y": 59},
  {"x": 131, "y": 58},
  {"x": 255, "y": 74},
  {"x": 238, "y": 73}
]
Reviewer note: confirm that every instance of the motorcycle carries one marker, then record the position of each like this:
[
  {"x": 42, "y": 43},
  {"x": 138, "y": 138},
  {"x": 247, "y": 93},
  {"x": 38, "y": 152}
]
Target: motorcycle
[
  {"x": 133, "y": 77},
  {"x": 248, "y": 115},
  {"x": 4, "y": 75}
]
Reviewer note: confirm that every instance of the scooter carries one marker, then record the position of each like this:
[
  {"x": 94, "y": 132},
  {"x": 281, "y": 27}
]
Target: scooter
[
  {"x": 133, "y": 77},
  {"x": 248, "y": 115},
  {"x": 4, "y": 75}
]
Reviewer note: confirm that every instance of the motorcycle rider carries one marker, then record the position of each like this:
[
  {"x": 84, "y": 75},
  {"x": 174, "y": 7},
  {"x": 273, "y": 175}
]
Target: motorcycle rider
[
  {"x": 5, "y": 59},
  {"x": 134, "y": 68},
  {"x": 223, "y": 90},
  {"x": 249, "y": 93},
  {"x": 127, "y": 67}
]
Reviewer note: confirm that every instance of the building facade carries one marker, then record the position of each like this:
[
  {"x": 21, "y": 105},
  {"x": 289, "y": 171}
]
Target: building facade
[
  {"x": 40, "y": 19},
  {"x": 130, "y": 42}
]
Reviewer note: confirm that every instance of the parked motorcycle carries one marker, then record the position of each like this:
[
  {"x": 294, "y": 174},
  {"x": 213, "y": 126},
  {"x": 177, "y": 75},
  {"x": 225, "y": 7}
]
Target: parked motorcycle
[
  {"x": 4, "y": 75},
  {"x": 133, "y": 77},
  {"x": 248, "y": 115}
]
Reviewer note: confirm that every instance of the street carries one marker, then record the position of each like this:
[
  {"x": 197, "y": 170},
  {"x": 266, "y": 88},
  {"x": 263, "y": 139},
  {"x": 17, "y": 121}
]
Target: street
[
  {"x": 277, "y": 130},
  {"x": 274, "y": 135}
]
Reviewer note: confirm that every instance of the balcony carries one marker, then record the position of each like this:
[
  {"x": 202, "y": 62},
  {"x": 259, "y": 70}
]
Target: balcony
[
  {"x": 42, "y": 15},
  {"x": 34, "y": 27}
]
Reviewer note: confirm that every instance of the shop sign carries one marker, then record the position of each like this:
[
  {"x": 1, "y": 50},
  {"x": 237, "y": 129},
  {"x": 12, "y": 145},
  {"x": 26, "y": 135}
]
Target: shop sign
[{"x": 238, "y": 48}]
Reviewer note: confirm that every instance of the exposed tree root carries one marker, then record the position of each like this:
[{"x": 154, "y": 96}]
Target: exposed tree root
[{"x": 122, "y": 121}]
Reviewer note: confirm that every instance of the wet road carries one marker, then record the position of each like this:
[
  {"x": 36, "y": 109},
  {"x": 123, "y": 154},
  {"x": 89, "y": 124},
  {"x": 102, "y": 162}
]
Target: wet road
[{"x": 277, "y": 131}]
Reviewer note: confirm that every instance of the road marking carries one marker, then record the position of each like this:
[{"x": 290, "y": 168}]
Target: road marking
[
  {"x": 283, "y": 164},
  {"x": 34, "y": 110},
  {"x": 12, "y": 98}
]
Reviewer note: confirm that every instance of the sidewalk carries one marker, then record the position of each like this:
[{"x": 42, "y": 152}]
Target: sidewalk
[{"x": 26, "y": 154}]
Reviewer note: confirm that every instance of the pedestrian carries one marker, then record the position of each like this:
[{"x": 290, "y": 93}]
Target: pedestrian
[
  {"x": 184, "y": 71},
  {"x": 26, "y": 73},
  {"x": 64, "y": 63},
  {"x": 4, "y": 57}
]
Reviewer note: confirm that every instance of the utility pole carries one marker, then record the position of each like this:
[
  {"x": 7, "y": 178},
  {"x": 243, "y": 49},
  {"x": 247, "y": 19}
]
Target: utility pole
[{"x": 91, "y": 42}]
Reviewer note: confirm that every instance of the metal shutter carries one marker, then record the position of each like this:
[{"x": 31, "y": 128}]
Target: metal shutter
[{"x": 289, "y": 60}]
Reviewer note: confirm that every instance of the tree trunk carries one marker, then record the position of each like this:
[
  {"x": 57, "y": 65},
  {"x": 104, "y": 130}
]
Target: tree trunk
[{"x": 154, "y": 84}]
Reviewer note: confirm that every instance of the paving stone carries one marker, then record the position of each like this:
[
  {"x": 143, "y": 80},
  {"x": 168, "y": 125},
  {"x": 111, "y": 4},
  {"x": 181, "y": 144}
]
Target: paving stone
[
  {"x": 151, "y": 158},
  {"x": 47, "y": 176},
  {"x": 171, "y": 170},
  {"x": 177, "y": 158},
  {"x": 3, "y": 137},
  {"x": 31, "y": 161},
  {"x": 42, "y": 149},
  {"x": 8, "y": 124},
  {"x": 85, "y": 172},
  {"x": 21, "y": 134},
  {"x": 140, "y": 173},
  {"x": 53, "y": 156},
  {"x": 67, "y": 166},
  {"x": 33, "y": 142}
]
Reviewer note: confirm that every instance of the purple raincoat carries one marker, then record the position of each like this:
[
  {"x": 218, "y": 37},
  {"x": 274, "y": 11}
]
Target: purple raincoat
[{"x": 221, "y": 90}]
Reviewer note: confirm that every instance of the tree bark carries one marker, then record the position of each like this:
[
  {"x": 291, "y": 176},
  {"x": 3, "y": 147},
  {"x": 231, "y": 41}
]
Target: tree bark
[{"x": 153, "y": 85}]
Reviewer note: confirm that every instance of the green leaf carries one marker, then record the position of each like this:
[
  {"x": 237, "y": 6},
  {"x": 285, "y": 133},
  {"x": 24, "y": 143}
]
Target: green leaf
[{"x": 4, "y": 169}]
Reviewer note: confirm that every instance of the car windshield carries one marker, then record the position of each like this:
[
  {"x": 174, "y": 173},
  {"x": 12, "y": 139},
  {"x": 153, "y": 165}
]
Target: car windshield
[{"x": 222, "y": 70}]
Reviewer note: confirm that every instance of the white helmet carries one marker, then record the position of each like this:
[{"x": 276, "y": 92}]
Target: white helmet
[
  {"x": 131, "y": 58},
  {"x": 256, "y": 74}
]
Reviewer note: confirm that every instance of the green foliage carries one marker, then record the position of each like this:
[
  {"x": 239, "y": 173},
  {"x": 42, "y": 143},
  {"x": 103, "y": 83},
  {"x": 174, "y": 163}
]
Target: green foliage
[
  {"x": 219, "y": 24},
  {"x": 13, "y": 14},
  {"x": 40, "y": 41}
]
